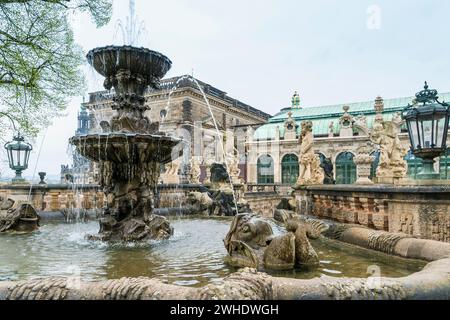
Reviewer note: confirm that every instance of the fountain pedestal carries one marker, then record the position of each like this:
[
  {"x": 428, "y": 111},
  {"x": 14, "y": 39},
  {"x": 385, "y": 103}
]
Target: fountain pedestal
[{"x": 130, "y": 150}]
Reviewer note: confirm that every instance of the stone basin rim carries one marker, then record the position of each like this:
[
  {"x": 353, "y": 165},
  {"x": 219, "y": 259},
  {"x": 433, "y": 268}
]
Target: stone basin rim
[
  {"x": 432, "y": 282},
  {"x": 126, "y": 47},
  {"x": 112, "y": 135},
  {"x": 131, "y": 51}
]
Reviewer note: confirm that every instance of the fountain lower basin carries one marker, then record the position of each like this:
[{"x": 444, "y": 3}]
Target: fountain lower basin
[
  {"x": 129, "y": 166},
  {"x": 193, "y": 257},
  {"x": 126, "y": 147}
]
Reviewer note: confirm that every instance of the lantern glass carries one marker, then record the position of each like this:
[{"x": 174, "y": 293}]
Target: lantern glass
[
  {"x": 18, "y": 158},
  {"x": 414, "y": 134},
  {"x": 426, "y": 134},
  {"x": 439, "y": 129}
]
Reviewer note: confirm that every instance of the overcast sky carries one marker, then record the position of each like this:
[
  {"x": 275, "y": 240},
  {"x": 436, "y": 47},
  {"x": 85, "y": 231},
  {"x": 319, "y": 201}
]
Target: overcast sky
[{"x": 260, "y": 52}]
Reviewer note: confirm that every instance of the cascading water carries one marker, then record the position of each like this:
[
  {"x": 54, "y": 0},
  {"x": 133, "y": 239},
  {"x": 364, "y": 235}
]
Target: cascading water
[
  {"x": 111, "y": 60},
  {"x": 131, "y": 148},
  {"x": 216, "y": 127}
]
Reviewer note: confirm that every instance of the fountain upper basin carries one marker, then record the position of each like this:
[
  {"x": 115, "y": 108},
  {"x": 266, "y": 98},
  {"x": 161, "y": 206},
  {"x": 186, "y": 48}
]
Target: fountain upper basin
[
  {"x": 126, "y": 147},
  {"x": 109, "y": 60}
]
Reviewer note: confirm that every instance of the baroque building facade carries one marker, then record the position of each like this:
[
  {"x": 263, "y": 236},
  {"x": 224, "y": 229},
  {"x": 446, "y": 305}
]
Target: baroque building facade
[
  {"x": 212, "y": 123},
  {"x": 341, "y": 134}
]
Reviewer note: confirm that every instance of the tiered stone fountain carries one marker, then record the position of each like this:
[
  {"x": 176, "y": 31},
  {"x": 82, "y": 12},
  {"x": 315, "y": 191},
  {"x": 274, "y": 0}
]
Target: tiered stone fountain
[{"x": 130, "y": 149}]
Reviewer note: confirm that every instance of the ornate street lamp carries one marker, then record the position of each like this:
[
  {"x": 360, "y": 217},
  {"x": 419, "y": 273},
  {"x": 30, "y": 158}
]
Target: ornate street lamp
[
  {"x": 427, "y": 120},
  {"x": 18, "y": 155}
]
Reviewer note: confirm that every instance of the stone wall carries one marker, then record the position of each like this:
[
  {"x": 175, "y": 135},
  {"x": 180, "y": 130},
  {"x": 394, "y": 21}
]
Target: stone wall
[
  {"x": 420, "y": 211},
  {"x": 174, "y": 196},
  {"x": 52, "y": 198},
  {"x": 57, "y": 197},
  {"x": 263, "y": 204}
]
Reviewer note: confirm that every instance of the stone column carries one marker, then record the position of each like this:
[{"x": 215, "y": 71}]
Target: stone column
[
  {"x": 252, "y": 156},
  {"x": 275, "y": 152},
  {"x": 363, "y": 162}
]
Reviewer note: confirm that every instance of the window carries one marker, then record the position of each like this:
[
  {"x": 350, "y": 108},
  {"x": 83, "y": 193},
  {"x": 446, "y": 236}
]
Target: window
[
  {"x": 289, "y": 169},
  {"x": 345, "y": 168},
  {"x": 265, "y": 169},
  {"x": 444, "y": 166}
]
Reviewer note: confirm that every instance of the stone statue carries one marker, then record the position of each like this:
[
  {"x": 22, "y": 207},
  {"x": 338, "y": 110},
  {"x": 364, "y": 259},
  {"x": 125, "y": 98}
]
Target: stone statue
[
  {"x": 220, "y": 200},
  {"x": 200, "y": 201},
  {"x": 361, "y": 120},
  {"x": 172, "y": 168},
  {"x": 331, "y": 130},
  {"x": 105, "y": 126},
  {"x": 285, "y": 210},
  {"x": 17, "y": 216},
  {"x": 392, "y": 153},
  {"x": 327, "y": 166},
  {"x": 360, "y": 125},
  {"x": 251, "y": 242},
  {"x": 194, "y": 172},
  {"x": 310, "y": 170},
  {"x": 171, "y": 174},
  {"x": 233, "y": 165},
  {"x": 208, "y": 162},
  {"x": 42, "y": 177},
  {"x": 221, "y": 192}
]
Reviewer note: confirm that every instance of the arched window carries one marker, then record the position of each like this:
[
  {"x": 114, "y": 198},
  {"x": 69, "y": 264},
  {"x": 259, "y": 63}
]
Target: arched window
[
  {"x": 289, "y": 169},
  {"x": 265, "y": 169},
  {"x": 374, "y": 165},
  {"x": 444, "y": 166},
  {"x": 414, "y": 164},
  {"x": 345, "y": 168}
]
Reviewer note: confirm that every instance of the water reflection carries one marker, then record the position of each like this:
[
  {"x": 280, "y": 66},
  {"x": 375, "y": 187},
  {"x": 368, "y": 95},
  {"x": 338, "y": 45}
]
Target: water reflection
[{"x": 193, "y": 257}]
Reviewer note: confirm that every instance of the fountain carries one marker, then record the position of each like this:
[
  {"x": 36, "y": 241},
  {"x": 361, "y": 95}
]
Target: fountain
[{"x": 130, "y": 149}]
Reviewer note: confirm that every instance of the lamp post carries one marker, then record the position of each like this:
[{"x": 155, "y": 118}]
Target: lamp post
[
  {"x": 18, "y": 155},
  {"x": 427, "y": 120}
]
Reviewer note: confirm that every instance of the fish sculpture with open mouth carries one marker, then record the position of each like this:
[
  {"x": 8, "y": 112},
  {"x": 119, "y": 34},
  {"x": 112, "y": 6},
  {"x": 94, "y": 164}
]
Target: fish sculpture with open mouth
[
  {"x": 17, "y": 216},
  {"x": 251, "y": 242}
]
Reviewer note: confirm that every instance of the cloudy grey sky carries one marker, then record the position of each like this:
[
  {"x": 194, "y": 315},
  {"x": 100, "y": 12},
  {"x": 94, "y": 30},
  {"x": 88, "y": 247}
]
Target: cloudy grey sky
[{"x": 260, "y": 51}]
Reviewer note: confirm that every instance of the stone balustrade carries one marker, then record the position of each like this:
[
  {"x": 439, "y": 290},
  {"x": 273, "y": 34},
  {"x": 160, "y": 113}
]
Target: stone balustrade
[
  {"x": 420, "y": 211},
  {"x": 264, "y": 198},
  {"x": 258, "y": 188}
]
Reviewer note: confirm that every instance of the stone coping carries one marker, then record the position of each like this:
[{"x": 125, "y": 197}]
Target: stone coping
[
  {"x": 378, "y": 188},
  {"x": 433, "y": 282},
  {"x": 91, "y": 186},
  {"x": 46, "y": 186}
]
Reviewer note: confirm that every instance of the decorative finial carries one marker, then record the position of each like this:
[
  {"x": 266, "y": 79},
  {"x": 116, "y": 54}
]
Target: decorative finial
[
  {"x": 19, "y": 137},
  {"x": 296, "y": 100},
  {"x": 379, "y": 105},
  {"x": 426, "y": 86},
  {"x": 346, "y": 108}
]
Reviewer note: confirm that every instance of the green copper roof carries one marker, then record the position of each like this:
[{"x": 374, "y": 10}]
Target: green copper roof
[{"x": 321, "y": 116}]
